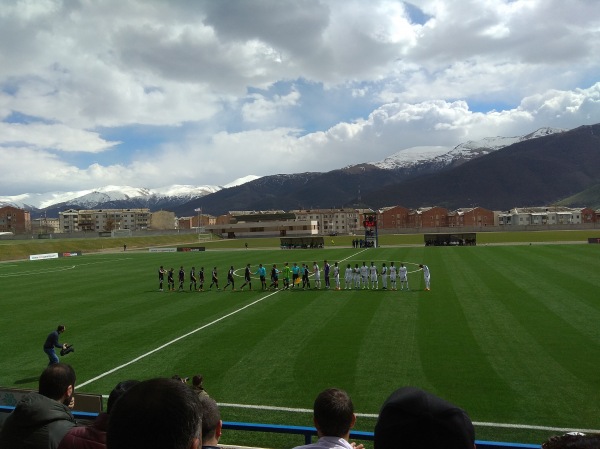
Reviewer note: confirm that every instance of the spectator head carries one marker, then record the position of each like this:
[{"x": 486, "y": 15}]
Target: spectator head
[
  {"x": 334, "y": 413},
  {"x": 573, "y": 440},
  {"x": 58, "y": 382},
  {"x": 118, "y": 391},
  {"x": 156, "y": 414},
  {"x": 414, "y": 418},
  {"x": 211, "y": 421},
  {"x": 197, "y": 380}
]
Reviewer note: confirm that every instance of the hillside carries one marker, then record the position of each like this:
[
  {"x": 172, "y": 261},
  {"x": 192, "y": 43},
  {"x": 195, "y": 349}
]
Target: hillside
[{"x": 532, "y": 172}]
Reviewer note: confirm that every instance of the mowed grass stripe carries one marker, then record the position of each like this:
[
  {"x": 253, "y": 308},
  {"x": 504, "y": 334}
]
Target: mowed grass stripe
[
  {"x": 553, "y": 350},
  {"x": 507, "y": 344},
  {"x": 454, "y": 362}
]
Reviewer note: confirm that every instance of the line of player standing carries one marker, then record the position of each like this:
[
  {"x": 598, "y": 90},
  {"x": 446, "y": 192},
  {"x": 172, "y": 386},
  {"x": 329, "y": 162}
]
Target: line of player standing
[{"x": 363, "y": 277}]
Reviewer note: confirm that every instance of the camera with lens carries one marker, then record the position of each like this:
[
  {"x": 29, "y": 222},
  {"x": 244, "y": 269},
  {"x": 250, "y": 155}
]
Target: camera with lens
[{"x": 68, "y": 348}]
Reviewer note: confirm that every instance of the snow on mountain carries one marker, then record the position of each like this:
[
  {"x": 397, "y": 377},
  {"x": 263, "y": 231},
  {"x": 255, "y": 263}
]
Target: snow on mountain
[
  {"x": 460, "y": 153},
  {"x": 240, "y": 181},
  {"x": 91, "y": 197},
  {"x": 411, "y": 156}
]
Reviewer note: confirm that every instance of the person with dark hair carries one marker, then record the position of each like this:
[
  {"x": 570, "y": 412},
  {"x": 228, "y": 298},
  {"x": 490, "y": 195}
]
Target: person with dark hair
[
  {"x": 193, "y": 280},
  {"x": 156, "y": 414},
  {"x": 414, "y": 418},
  {"x": 333, "y": 416},
  {"x": 161, "y": 278},
  {"x": 94, "y": 435},
  {"x": 41, "y": 420},
  {"x": 181, "y": 279},
  {"x": 426, "y": 276},
  {"x": 262, "y": 274},
  {"x": 52, "y": 342},
  {"x": 247, "y": 278},
  {"x": 211, "y": 423},
  {"x": 214, "y": 279},
  {"x": 171, "y": 279},
  {"x": 201, "y": 279},
  {"x": 197, "y": 385},
  {"x": 230, "y": 279},
  {"x": 573, "y": 440}
]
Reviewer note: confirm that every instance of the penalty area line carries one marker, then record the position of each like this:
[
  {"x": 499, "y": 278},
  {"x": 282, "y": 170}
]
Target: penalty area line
[
  {"x": 371, "y": 415},
  {"x": 175, "y": 340}
]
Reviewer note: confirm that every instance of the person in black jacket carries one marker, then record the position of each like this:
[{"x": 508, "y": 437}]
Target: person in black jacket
[{"x": 52, "y": 342}]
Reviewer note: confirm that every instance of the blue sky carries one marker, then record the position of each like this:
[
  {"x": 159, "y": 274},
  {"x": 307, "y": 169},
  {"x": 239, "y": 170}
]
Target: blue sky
[{"x": 149, "y": 93}]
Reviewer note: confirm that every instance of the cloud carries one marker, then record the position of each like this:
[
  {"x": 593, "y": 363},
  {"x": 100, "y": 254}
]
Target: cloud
[
  {"x": 54, "y": 136},
  {"x": 207, "y": 91}
]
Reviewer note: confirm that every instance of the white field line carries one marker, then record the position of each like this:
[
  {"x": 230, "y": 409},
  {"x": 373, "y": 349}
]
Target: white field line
[
  {"x": 87, "y": 382},
  {"x": 371, "y": 415}
]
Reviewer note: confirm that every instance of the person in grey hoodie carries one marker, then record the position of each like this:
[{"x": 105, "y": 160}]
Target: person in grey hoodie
[{"x": 41, "y": 420}]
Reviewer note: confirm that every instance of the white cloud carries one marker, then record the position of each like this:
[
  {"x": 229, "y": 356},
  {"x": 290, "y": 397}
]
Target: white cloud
[
  {"x": 231, "y": 88},
  {"x": 58, "y": 137}
]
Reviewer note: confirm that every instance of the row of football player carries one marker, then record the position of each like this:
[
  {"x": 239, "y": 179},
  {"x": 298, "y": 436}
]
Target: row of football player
[{"x": 365, "y": 277}]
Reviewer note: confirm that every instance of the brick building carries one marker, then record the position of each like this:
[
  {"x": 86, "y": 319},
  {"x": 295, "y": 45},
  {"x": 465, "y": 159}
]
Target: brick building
[
  {"x": 393, "y": 217},
  {"x": 428, "y": 217},
  {"x": 472, "y": 216},
  {"x": 15, "y": 220}
]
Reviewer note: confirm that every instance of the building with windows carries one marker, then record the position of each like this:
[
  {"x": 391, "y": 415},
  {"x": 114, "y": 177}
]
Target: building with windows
[
  {"x": 332, "y": 221},
  {"x": 393, "y": 217},
  {"x": 472, "y": 216},
  {"x": 104, "y": 220},
  {"x": 428, "y": 217},
  {"x": 547, "y": 216},
  {"x": 15, "y": 220}
]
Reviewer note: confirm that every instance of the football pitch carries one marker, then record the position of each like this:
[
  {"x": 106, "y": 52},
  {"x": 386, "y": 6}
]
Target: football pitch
[{"x": 510, "y": 333}]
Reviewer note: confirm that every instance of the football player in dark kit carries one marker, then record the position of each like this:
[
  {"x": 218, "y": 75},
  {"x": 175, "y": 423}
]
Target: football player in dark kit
[
  {"x": 230, "y": 279},
  {"x": 215, "y": 279},
  {"x": 161, "y": 278},
  {"x": 171, "y": 280},
  {"x": 247, "y": 278},
  {"x": 181, "y": 278},
  {"x": 193, "y": 279},
  {"x": 201, "y": 279}
]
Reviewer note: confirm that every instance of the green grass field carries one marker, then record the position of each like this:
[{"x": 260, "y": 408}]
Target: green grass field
[{"x": 510, "y": 333}]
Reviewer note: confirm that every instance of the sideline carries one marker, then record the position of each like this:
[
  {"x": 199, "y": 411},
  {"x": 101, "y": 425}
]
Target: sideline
[
  {"x": 371, "y": 415},
  {"x": 87, "y": 382}
]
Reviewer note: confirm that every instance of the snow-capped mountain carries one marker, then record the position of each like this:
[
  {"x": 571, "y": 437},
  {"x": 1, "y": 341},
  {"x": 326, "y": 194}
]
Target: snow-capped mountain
[
  {"x": 142, "y": 197},
  {"x": 445, "y": 156}
]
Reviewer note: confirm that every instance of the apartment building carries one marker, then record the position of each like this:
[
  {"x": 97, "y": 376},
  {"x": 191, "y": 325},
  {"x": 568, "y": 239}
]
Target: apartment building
[
  {"x": 15, "y": 220},
  {"x": 332, "y": 221},
  {"x": 103, "y": 220}
]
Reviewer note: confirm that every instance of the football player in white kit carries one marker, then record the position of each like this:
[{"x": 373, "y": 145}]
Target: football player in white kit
[
  {"x": 384, "y": 276},
  {"x": 364, "y": 275},
  {"x": 393, "y": 275},
  {"x": 336, "y": 276},
  {"x": 374, "y": 276},
  {"x": 317, "y": 272},
  {"x": 426, "y": 276},
  {"x": 403, "y": 274},
  {"x": 348, "y": 277},
  {"x": 357, "y": 277}
]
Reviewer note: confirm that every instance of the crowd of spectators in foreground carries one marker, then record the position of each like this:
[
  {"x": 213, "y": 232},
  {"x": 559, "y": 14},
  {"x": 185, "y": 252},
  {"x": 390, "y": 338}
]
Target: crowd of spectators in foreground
[{"x": 169, "y": 414}]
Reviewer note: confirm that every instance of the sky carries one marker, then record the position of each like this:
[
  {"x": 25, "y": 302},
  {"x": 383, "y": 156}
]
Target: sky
[{"x": 150, "y": 93}]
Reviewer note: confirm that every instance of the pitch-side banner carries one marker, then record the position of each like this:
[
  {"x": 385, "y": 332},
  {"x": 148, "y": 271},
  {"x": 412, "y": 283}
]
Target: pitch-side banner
[
  {"x": 43, "y": 256},
  {"x": 162, "y": 250},
  {"x": 70, "y": 254}
]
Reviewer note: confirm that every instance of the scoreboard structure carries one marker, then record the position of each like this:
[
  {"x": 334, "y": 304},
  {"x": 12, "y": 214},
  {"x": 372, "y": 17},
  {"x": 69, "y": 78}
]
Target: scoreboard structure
[{"x": 370, "y": 225}]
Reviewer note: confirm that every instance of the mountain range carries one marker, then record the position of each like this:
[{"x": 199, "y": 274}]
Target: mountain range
[{"x": 546, "y": 166}]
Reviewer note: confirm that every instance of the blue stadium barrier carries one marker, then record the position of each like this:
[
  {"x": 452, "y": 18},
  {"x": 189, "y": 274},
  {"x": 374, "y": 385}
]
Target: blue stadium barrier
[{"x": 308, "y": 432}]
